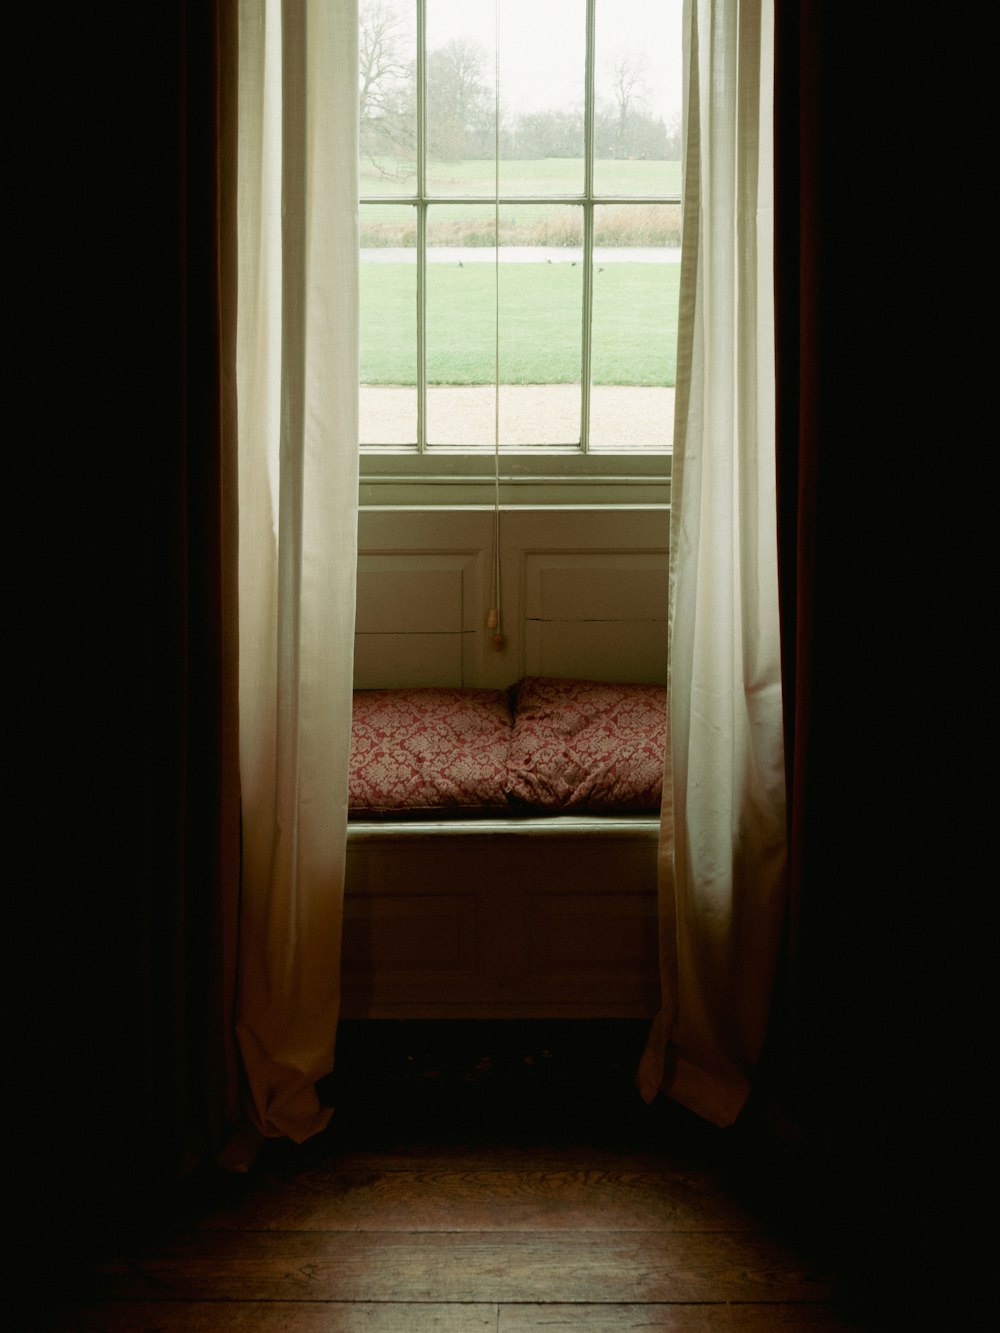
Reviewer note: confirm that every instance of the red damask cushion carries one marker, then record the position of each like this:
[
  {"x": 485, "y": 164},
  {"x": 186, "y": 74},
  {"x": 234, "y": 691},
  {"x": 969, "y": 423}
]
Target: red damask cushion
[
  {"x": 427, "y": 751},
  {"x": 587, "y": 746}
]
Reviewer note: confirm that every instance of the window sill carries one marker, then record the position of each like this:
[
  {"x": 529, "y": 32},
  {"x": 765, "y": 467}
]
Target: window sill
[{"x": 527, "y": 479}]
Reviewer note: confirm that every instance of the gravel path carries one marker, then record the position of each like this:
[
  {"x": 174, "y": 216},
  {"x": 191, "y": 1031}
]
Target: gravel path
[{"x": 529, "y": 414}]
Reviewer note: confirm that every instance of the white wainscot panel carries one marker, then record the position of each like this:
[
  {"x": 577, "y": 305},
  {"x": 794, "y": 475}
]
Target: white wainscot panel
[
  {"x": 620, "y": 651},
  {"x": 415, "y": 618},
  {"x": 400, "y": 661},
  {"x": 598, "y": 615}
]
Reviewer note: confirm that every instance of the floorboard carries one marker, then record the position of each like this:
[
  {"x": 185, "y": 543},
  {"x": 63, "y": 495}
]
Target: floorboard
[
  {"x": 624, "y": 1266},
  {"x": 474, "y": 1177},
  {"x": 603, "y": 1195},
  {"x": 258, "y": 1317},
  {"x": 703, "y": 1318}
]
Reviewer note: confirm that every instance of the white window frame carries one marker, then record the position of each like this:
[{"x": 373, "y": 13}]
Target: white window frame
[{"x": 454, "y": 475}]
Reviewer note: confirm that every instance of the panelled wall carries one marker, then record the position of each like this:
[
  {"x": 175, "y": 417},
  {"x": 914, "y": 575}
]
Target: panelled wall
[
  {"x": 583, "y": 594},
  {"x": 536, "y": 920},
  {"x": 531, "y": 918}
]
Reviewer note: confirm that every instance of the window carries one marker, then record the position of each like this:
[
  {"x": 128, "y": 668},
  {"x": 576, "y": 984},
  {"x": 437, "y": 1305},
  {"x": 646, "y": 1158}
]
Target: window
[{"x": 520, "y": 228}]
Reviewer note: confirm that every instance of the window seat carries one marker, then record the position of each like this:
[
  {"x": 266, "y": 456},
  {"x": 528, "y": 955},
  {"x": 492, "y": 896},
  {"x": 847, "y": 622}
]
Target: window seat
[{"x": 533, "y": 894}]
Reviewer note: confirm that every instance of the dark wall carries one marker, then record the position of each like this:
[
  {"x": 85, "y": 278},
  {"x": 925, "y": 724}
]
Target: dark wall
[
  {"x": 891, "y": 810},
  {"x": 114, "y": 458}
]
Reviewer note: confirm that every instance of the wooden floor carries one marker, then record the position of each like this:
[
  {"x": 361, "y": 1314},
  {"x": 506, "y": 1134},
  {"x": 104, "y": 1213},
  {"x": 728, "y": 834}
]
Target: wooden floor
[{"x": 510, "y": 1182}]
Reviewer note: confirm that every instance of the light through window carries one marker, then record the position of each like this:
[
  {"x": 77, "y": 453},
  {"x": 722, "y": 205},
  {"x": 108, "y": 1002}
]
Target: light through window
[{"x": 538, "y": 249}]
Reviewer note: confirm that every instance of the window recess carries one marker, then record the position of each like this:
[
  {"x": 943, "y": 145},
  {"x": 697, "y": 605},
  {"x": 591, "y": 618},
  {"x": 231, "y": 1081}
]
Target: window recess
[{"x": 520, "y": 246}]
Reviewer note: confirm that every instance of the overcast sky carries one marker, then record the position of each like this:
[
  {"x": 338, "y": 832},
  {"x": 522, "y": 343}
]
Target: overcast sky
[{"x": 547, "y": 37}]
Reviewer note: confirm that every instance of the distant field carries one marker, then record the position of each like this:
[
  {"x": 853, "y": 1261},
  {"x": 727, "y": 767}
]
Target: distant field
[
  {"x": 550, "y": 175},
  {"x": 526, "y": 224},
  {"x": 634, "y": 324}
]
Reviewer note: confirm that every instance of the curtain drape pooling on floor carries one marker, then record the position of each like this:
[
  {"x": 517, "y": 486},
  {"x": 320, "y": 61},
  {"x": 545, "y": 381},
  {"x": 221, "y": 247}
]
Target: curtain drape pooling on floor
[
  {"x": 297, "y": 386},
  {"x": 723, "y": 843},
  {"x": 723, "y": 840}
]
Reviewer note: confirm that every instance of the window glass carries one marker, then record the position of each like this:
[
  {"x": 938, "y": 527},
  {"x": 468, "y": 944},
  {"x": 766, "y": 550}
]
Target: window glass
[
  {"x": 543, "y": 53},
  {"x": 388, "y": 287},
  {"x": 636, "y": 272},
  {"x": 461, "y": 98},
  {"x": 387, "y": 94},
  {"x": 637, "y": 97},
  {"x": 520, "y": 249},
  {"x": 541, "y": 323},
  {"x": 461, "y": 324}
]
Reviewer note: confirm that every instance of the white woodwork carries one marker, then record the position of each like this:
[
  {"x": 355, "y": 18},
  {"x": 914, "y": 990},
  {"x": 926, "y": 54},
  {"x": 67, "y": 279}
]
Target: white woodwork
[
  {"x": 594, "y": 585},
  {"x": 541, "y": 918},
  {"x": 387, "y": 661},
  {"x": 533, "y": 918},
  {"x": 411, "y": 593},
  {"x": 583, "y": 594},
  {"x": 633, "y": 651}
]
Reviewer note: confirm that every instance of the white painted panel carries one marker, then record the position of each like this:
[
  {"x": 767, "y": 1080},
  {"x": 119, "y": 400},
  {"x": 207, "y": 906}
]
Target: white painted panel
[
  {"x": 634, "y": 651},
  {"x": 430, "y": 573},
  {"x": 398, "y": 661},
  {"x": 467, "y": 925},
  {"x": 592, "y": 931},
  {"x": 418, "y": 933},
  {"x": 596, "y": 585},
  {"x": 408, "y": 594},
  {"x": 601, "y": 587}
]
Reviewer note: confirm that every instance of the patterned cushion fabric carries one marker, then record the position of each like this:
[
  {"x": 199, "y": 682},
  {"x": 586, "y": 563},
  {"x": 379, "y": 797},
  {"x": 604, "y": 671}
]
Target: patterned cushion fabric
[
  {"x": 427, "y": 751},
  {"x": 587, "y": 746}
]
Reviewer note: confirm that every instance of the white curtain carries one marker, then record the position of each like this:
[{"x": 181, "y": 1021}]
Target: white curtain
[
  {"x": 297, "y": 376},
  {"x": 722, "y": 849}
]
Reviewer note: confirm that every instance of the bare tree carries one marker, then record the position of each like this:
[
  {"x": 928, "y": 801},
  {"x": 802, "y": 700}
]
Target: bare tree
[
  {"x": 629, "y": 94},
  {"x": 385, "y": 82},
  {"x": 459, "y": 101},
  {"x": 547, "y": 134}
]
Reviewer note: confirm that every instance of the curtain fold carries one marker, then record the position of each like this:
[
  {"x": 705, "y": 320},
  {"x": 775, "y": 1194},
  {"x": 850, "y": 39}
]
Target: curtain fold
[
  {"x": 723, "y": 837},
  {"x": 297, "y": 377}
]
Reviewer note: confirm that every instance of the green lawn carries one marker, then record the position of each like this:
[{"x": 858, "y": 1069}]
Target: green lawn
[{"x": 634, "y": 325}]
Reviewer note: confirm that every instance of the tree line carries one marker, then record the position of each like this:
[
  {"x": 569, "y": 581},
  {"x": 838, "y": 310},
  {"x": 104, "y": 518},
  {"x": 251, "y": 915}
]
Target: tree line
[{"x": 460, "y": 113}]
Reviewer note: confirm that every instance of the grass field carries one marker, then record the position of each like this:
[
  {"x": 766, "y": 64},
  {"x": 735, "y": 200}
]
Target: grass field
[
  {"x": 550, "y": 175},
  {"x": 634, "y": 339},
  {"x": 634, "y": 332},
  {"x": 616, "y": 223}
]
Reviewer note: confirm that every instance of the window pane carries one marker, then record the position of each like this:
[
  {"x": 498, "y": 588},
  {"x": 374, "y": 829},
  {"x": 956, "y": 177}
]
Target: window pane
[
  {"x": 541, "y": 321},
  {"x": 500, "y": 341},
  {"x": 540, "y": 294},
  {"x": 388, "y": 275},
  {"x": 461, "y": 98},
  {"x": 637, "y": 83},
  {"x": 387, "y": 90},
  {"x": 634, "y": 340},
  {"x": 461, "y": 324},
  {"x": 542, "y": 64}
]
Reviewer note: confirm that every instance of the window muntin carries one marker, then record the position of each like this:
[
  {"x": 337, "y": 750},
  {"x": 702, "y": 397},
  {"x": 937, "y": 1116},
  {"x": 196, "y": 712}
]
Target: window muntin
[{"x": 588, "y": 241}]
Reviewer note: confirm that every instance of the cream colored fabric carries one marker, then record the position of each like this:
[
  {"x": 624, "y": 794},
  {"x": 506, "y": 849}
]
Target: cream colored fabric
[
  {"x": 722, "y": 884},
  {"x": 297, "y": 376}
]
